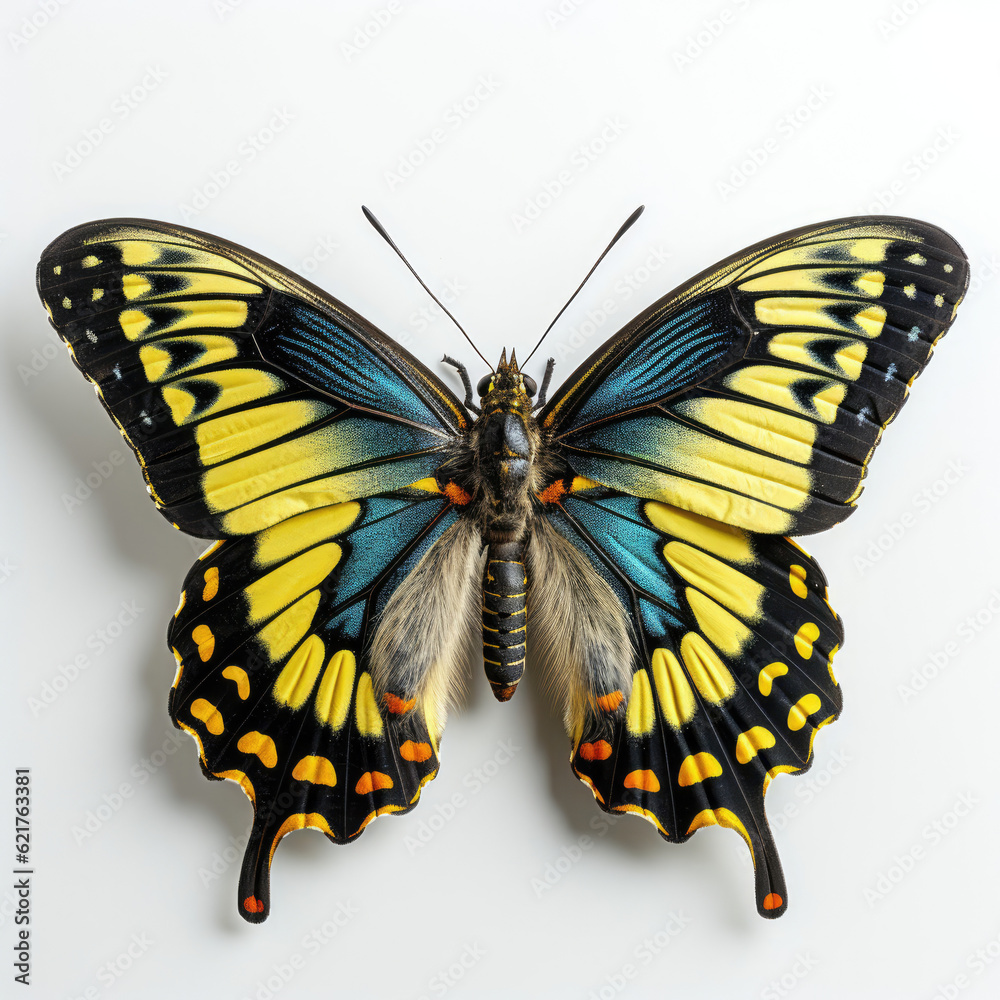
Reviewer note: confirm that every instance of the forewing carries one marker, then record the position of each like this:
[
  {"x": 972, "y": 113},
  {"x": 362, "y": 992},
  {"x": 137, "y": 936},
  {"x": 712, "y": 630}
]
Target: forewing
[
  {"x": 274, "y": 681},
  {"x": 756, "y": 393},
  {"x": 247, "y": 394},
  {"x": 731, "y": 673}
]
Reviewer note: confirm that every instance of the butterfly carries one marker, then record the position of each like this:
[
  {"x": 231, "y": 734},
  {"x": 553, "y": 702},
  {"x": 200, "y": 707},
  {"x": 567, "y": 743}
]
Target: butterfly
[{"x": 631, "y": 531}]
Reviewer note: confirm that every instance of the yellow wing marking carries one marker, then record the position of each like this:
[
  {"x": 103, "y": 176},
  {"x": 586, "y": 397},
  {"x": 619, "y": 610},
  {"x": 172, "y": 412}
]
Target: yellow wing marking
[
  {"x": 709, "y": 674},
  {"x": 766, "y": 677},
  {"x": 698, "y": 767},
  {"x": 725, "y": 541},
  {"x": 270, "y": 593},
  {"x": 333, "y": 700},
  {"x": 672, "y": 688},
  {"x": 778, "y": 433},
  {"x": 749, "y": 742},
  {"x": 640, "y": 713},
  {"x": 723, "y": 630},
  {"x": 204, "y": 711},
  {"x": 261, "y": 745},
  {"x": 239, "y": 676},
  {"x": 804, "y": 639},
  {"x": 799, "y": 713},
  {"x": 297, "y": 533},
  {"x": 316, "y": 770},
  {"x": 367, "y": 717},
  {"x": 286, "y": 631},
  {"x": 727, "y": 586},
  {"x": 771, "y": 384},
  {"x": 298, "y": 677}
]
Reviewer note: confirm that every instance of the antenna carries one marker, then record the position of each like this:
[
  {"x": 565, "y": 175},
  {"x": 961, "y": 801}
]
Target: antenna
[
  {"x": 380, "y": 229},
  {"x": 626, "y": 225}
]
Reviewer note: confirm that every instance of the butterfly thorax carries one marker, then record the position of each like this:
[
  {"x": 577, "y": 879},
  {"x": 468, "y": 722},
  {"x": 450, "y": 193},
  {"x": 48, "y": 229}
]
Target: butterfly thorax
[{"x": 506, "y": 441}]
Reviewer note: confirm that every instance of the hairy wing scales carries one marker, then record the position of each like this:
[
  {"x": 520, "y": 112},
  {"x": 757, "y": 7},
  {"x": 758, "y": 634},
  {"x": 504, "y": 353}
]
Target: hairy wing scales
[
  {"x": 275, "y": 678},
  {"x": 731, "y": 677}
]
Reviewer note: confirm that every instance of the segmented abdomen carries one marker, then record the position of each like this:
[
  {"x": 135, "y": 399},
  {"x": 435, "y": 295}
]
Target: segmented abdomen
[{"x": 505, "y": 586}]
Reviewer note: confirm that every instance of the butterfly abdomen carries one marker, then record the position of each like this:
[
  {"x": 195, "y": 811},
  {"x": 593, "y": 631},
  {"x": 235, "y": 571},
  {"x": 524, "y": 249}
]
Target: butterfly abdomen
[{"x": 505, "y": 585}]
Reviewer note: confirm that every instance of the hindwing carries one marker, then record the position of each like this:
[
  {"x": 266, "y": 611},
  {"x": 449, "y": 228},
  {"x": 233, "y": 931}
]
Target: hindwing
[
  {"x": 275, "y": 680},
  {"x": 731, "y": 668}
]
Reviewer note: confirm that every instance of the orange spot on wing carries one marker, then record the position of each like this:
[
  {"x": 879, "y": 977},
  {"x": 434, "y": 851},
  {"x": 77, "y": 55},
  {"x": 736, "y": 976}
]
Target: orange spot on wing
[
  {"x": 553, "y": 492},
  {"x": 397, "y": 705},
  {"x": 772, "y": 901},
  {"x": 609, "y": 702},
  {"x": 645, "y": 780},
  {"x": 418, "y": 752},
  {"x": 456, "y": 494},
  {"x": 601, "y": 750},
  {"x": 211, "y": 583},
  {"x": 253, "y": 905},
  {"x": 204, "y": 640},
  {"x": 372, "y": 781}
]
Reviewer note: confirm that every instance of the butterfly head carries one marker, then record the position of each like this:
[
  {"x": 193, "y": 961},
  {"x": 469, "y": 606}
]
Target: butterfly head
[{"x": 506, "y": 388}]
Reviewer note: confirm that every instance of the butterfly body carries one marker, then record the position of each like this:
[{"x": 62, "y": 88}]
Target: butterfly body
[{"x": 628, "y": 537}]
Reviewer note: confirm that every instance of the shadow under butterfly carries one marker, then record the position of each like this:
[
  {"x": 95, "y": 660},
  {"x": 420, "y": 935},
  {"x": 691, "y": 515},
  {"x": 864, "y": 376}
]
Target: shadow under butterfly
[{"x": 634, "y": 524}]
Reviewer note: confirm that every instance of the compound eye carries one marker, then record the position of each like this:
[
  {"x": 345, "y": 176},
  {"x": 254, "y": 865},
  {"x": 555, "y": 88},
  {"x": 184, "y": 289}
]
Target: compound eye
[
  {"x": 484, "y": 385},
  {"x": 530, "y": 386}
]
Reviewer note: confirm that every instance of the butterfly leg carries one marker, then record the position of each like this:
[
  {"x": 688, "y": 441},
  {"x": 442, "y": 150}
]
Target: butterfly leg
[
  {"x": 546, "y": 379},
  {"x": 466, "y": 381}
]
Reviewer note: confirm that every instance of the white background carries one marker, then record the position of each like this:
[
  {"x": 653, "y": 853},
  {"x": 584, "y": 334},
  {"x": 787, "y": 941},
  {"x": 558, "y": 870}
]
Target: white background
[{"x": 577, "y": 120}]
